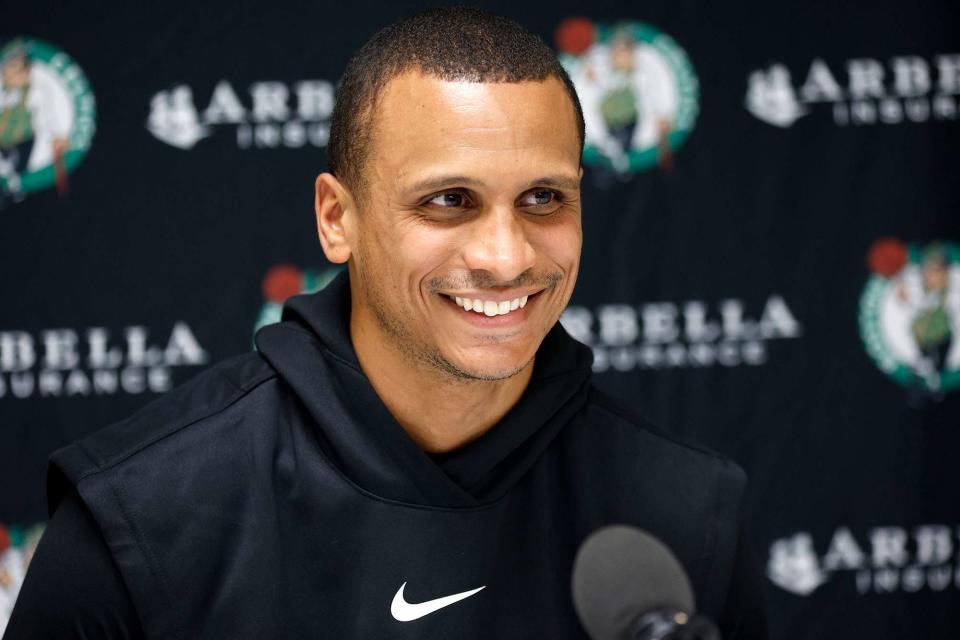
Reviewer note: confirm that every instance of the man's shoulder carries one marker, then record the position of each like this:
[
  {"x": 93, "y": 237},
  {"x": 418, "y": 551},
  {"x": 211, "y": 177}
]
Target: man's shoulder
[
  {"x": 635, "y": 437},
  {"x": 200, "y": 400},
  {"x": 680, "y": 491}
]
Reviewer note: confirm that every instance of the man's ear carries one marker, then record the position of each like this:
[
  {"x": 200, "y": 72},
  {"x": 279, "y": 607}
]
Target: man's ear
[{"x": 335, "y": 210}]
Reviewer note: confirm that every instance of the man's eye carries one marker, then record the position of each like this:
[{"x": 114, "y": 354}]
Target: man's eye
[
  {"x": 542, "y": 197},
  {"x": 451, "y": 199},
  {"x": 541, "y": 201}
]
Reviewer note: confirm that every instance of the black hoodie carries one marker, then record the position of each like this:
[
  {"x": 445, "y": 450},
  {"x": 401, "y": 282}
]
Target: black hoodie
[{"x": 275, "y": 496}]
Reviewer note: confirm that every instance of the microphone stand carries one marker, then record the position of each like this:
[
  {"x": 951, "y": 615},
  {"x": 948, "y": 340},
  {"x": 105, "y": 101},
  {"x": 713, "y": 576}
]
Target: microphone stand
[{"x": 670, "y": 624}]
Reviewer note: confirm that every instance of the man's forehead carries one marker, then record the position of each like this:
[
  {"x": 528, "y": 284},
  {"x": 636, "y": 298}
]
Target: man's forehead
[
  {"x": 421, "y": 114},
  {"x": 416, "y": 93}
]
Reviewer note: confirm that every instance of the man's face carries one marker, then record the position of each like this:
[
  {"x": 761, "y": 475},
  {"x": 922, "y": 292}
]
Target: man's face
[
  {"x": 622, "y": 54},
  {"x": 472, "y": 191},
  {"x": 935, "y": 275},
  {"x": 16, "y": 73}
]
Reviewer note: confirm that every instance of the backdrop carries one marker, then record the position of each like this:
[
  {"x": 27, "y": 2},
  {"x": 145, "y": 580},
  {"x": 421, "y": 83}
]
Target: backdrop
[{"x": 771, "y": 260}]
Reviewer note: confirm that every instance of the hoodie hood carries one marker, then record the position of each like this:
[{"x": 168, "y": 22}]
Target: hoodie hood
[{"x": 312, "y": 353}]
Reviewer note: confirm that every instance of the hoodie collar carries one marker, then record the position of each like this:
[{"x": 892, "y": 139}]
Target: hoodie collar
[{"x": 311, "y": 350}]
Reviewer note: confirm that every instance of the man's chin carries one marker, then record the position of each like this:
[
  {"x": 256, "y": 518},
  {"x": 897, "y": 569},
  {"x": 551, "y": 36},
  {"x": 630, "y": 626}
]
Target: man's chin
[{"x": 481, "y": 371}]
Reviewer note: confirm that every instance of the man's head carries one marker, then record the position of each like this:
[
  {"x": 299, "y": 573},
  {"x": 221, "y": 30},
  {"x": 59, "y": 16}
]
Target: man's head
[
  {"x": 455, "y": 44},
  {"x": 16, "y": 66},
  {"x": 455, "y": 154},
  {"x": 935, "y": 273}
]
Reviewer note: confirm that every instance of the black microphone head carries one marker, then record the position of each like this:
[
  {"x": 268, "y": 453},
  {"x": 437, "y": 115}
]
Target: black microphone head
[{"x": 621, "y": 573}]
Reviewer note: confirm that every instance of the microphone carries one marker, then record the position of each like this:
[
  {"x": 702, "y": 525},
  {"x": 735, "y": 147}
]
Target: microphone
[{"x": 627, "y": 585}]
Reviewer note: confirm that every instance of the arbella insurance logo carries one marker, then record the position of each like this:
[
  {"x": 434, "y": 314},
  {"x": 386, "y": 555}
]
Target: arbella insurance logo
[
  {"x": 860, "y": 91},
  {"x": 47, "y": 115},
  {"x": 269, "y": 115},
  {"x": 638, "y": 91},
  {"x": 95, "y": 361},
  {"x": 690, "y": 334},
  {"x": 889, "y": 559}
]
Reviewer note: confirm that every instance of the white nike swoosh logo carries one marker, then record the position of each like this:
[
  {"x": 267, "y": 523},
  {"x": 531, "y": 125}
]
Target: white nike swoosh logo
[{"x": 405, "y": 612}]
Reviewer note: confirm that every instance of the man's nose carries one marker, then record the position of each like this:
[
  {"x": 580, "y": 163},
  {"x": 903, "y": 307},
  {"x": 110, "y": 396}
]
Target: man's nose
[{"x": 499, "y": 245}]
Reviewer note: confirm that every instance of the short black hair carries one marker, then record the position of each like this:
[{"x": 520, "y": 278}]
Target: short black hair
[{"x": 450, "y": 43}]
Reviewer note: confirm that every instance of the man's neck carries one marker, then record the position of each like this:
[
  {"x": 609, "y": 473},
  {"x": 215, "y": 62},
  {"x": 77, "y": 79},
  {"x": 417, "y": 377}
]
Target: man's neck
[{"x": 439, "y": 411}]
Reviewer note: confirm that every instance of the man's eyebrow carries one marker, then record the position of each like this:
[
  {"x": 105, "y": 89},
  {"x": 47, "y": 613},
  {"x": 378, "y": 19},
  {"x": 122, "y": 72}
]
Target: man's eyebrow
[
  {"x": 443, "y": 182},
  {"x": 560, "y": 182}
]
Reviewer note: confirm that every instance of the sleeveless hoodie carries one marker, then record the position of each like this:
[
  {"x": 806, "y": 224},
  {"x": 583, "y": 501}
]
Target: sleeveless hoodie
[{"x": 275, "y": 496}]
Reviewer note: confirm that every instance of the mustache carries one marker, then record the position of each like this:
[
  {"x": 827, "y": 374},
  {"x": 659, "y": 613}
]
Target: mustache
[{"x": 485, "y": 280}]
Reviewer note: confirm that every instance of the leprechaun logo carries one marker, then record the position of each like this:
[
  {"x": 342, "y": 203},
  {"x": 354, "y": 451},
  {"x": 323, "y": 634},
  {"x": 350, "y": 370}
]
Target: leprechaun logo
[
  {"x": 638, "y": 91},
  {"x": 17, "y": 545},
  {"x": 47, "y": 113},
  {"x": 910, "y": 314},
  {"x": 285, "y": 280}
]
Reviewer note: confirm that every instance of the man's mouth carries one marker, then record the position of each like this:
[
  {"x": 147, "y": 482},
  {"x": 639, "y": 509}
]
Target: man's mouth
[{"x": 490, "y": 308}]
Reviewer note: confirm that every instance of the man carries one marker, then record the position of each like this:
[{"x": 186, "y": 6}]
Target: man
[
  {"x": 34, "y": 122},
  {"x": 416, "y": 451}
]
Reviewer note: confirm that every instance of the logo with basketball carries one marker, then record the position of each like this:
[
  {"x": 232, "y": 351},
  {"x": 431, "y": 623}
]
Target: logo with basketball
[
  {"x": 910, "y": 314},
  {"x": 638, "y": 90},
  {"x": 285, "y": 280},
  {"x": 47, "y": 113},
  {"x": 16, "y": 550}
]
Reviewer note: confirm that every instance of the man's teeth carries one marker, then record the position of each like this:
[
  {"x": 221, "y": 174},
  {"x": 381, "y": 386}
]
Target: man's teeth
[{"x": 490, "y": 307}]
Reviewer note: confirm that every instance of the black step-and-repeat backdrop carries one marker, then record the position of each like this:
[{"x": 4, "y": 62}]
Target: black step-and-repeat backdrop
[{"x": 771, "y": 260}]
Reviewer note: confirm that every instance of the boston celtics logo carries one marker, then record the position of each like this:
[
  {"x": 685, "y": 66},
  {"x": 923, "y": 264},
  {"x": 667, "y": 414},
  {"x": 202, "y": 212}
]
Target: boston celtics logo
[
  {"x": 910, "y": 314},
  {"x": 17, "y": 545},
  {"x": 285, "y": 280},
  {"x": 47, "y": 116},
  {"x": 637, "y": 88}
]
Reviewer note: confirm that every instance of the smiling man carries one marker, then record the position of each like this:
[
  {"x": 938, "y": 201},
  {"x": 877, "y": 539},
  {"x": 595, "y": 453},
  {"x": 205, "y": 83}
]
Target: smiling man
[
  {"x": 417, "y": 451},
  {"x": 459, "y": 219}
]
